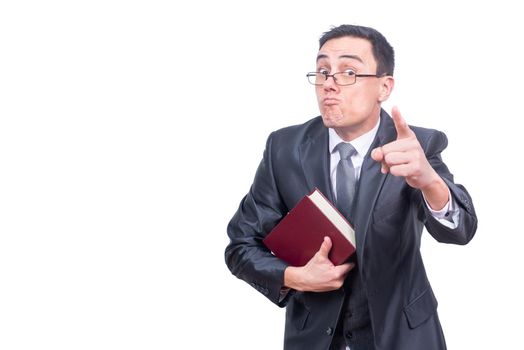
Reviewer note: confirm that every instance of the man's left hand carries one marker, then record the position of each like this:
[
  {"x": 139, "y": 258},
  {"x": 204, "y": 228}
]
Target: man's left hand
[{"x": 405, "y": 157}]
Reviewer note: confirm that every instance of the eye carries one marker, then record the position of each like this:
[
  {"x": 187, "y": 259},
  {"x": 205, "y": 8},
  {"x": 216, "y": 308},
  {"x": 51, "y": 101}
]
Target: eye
[
  {"x": 349, "y": 72},
  {"x": 323, "y": 71}
]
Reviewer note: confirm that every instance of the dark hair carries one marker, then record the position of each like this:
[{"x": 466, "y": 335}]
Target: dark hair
[{"x": 382, "y": 50}]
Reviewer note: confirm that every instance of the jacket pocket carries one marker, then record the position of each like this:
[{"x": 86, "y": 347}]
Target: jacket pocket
[
  {"x": 421, "y": 308},
  {"x": 296, "y": 312}
]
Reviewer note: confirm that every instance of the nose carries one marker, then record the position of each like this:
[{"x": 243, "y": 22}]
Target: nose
[{"x": 329, "y": 83}]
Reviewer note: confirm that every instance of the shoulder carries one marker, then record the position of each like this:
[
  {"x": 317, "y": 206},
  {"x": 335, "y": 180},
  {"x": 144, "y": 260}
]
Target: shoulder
[
  {"x": 431, "y": 140},
  {"x": 297, "y": 134}
]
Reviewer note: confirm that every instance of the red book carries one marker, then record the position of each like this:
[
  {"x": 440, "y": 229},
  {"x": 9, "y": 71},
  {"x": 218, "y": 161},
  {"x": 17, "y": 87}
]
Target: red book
[{"x": 298, "y": 236}]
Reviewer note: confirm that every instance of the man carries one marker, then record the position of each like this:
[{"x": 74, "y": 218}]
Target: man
[{"x": 392, "y": 183}]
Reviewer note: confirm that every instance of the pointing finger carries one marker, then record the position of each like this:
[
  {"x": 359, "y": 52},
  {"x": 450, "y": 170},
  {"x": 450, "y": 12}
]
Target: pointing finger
[{"x": 403, "y": 130}]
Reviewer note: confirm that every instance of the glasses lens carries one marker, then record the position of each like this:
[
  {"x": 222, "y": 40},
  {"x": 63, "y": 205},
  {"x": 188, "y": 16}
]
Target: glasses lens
[
  {"x": 316, "y": 78},
  {"x": 345, "y": 78}
]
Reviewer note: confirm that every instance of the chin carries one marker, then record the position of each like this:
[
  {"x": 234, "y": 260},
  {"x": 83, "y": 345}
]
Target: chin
[{"x": 333, "y": 121}]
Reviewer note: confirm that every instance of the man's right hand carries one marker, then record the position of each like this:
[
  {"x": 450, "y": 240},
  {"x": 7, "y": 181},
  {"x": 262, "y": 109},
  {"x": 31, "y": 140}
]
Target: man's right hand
[{"x": 319, "y": 274}]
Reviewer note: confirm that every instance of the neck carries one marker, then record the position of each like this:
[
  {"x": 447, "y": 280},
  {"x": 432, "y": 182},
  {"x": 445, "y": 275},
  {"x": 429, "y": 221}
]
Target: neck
[{"x": 350, "y": 133}]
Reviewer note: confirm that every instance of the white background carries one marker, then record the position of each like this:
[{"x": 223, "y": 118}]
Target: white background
[{"x": 130, "y": 131}]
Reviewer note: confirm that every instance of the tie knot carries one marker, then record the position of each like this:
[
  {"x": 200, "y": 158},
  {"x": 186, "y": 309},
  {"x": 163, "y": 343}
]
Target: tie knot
[{"x": 346, "y": 150}]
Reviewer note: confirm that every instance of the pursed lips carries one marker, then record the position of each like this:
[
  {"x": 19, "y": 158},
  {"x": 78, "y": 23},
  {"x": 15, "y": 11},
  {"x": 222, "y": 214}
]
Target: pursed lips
[{"x": 329, "y": 101}]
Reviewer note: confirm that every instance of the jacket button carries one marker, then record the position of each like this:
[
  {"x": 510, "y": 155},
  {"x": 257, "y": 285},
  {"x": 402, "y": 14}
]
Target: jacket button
[
  {"x": 349, "y": 335},
  {"x": 329, "y": 331}
]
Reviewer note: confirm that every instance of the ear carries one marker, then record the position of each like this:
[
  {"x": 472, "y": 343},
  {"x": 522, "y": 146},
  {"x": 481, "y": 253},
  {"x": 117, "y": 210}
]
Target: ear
[{"x": 386, "y": 87}]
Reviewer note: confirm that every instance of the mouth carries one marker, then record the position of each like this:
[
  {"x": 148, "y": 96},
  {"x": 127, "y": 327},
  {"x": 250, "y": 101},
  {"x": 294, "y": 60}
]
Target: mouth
[{"x": 330, "y": 101}]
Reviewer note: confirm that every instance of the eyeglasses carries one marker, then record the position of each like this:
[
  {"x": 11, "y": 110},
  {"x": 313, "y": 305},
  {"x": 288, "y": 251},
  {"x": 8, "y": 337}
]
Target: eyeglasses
[{"x": 341, "y": 78}]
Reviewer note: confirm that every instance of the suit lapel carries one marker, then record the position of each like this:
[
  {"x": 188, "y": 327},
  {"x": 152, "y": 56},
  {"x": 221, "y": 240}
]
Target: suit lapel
[
  {"x": 370, "y": 184},
  {"x": 314, "y": 158}
]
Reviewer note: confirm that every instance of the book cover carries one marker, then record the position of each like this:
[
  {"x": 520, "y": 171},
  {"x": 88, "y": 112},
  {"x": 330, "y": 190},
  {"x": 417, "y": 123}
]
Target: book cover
[{"x": 298, "y": 236}]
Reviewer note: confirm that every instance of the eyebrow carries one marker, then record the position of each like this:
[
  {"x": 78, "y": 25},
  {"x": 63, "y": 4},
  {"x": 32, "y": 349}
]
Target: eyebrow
[{"x": 354, "y": 57}]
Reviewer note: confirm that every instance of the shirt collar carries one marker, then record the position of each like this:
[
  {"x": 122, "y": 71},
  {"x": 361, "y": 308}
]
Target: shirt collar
[{"x": 361, "y": 143}]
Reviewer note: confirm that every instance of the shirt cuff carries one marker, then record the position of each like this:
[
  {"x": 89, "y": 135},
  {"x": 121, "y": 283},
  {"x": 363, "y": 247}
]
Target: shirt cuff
[{"x": 448, "y": 215}]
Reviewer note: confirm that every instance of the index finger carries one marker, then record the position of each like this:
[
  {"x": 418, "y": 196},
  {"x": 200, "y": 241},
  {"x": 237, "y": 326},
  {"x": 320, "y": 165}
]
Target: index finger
[{"x": 403, "y": 130}]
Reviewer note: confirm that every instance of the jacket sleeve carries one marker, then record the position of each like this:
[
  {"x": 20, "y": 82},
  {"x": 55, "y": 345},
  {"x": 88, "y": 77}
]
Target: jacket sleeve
[
  {"x": 467, "y": 225},
  {"x": 260, "y": 210}
]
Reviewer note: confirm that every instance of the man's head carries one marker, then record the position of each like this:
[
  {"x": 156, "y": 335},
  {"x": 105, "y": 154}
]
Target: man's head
[
  {"x": 352, "y": 105},
  {"x": 382, "y": 50}
]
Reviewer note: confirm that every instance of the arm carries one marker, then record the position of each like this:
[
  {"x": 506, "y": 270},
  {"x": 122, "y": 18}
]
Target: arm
[
  {"x": 248, "y": 258},
  {"x": 466, "y": 224},
  {"x": 424, "y": 169},
  {"x": 260, "y": 210}
]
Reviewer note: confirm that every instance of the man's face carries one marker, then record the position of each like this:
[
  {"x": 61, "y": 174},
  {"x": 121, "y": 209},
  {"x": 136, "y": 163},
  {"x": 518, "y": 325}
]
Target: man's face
[{"x": 354, "y": 109}]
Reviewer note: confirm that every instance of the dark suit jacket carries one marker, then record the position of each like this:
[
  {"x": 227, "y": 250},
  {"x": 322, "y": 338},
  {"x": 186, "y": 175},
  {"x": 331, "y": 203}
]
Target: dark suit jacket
[{"x": 389, "y": 217}]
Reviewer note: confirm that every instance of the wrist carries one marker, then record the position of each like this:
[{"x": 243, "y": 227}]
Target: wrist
[
  {"x": 436, "y": 193},
  {"x": 292, "y": 278}
]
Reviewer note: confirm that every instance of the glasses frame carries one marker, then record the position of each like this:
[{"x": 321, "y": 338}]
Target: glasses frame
[{"x": 314, "y": 74}]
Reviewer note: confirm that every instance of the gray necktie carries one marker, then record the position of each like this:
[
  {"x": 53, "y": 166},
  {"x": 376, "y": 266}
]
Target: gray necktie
[{"x": 346, "y": 181}]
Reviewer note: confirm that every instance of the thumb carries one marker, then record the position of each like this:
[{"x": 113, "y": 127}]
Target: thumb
[
  {"x": 403, "y": 130},
  {"x": 325, "y": 247}
]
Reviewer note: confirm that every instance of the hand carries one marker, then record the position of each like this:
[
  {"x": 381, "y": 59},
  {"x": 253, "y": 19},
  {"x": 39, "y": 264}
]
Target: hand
[
  {"x": 405, "y": 157},
  {"x": 319, "y": 274}
]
